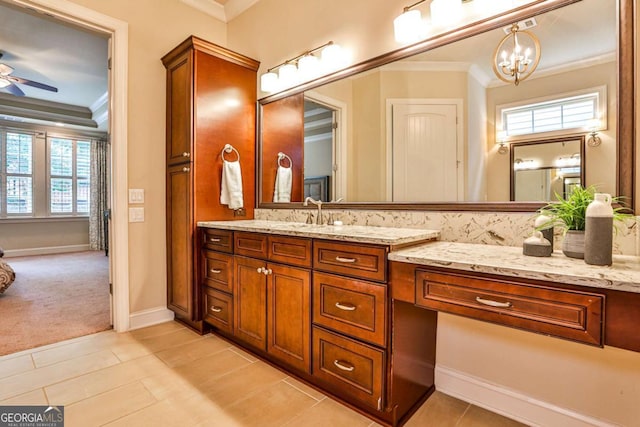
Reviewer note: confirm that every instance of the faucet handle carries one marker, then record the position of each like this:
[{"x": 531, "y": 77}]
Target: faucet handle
[{"x": 310, "y": 218}]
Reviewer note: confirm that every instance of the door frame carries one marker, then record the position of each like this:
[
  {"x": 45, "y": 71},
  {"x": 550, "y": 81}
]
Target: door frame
[
  {"x": 339, "y": 167},
  {"x": 458, "y": 102},
  {"x": 118, "y": 32}
]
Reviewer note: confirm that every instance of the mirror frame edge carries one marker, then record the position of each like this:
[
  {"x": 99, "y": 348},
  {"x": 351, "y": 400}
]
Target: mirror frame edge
[{"x": 625, "y": 152}]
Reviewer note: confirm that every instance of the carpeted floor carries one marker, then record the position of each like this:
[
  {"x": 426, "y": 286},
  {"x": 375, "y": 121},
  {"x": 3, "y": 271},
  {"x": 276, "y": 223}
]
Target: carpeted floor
[{"x": 54, "y": 298}]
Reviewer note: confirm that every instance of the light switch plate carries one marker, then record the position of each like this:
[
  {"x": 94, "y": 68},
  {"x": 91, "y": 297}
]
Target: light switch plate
[
  {"x": 136, "y": 195},
  {"x": 136, "y": 214}
]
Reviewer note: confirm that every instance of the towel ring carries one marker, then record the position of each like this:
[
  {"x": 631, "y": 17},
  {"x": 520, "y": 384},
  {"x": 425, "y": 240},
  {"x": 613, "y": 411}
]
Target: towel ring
[
  {"x": 281, "y": 157},
  {"x": 228, "y": 148}
]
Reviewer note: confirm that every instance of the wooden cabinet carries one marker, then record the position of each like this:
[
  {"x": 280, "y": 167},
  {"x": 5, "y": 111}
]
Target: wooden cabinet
[
  {"x": 200, "y": 76},
  {"x": 250, "y": 298}
]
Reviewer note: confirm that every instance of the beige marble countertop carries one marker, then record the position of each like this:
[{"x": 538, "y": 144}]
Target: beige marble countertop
[
  {"x": 347, "y": 233},
  {"x": 623, "y": 275}
]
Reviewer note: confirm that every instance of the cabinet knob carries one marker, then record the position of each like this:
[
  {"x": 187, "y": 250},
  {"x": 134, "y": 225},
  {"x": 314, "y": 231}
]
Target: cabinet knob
[
  {"x": 260, "y": 270},
  {"x": 185, "y": 154},
  {"x": 216, "y": 309},
  {"x": 340, "y": 365},
  {"x": 267, "y": 271},
  {"x": 186, "y": 169}
]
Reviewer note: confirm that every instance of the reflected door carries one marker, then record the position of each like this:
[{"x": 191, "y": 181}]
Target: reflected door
[{"x": 425, "y": 163}]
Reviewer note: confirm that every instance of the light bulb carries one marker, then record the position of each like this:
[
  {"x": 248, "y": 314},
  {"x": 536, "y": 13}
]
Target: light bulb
[
  {"x": 409, "y": 27},
  {"x": 332, "y": 57},
  {"x": 288, "y": 75},
  {"x": 308, "y": 67},
  {"x": 269, "y": 82}
]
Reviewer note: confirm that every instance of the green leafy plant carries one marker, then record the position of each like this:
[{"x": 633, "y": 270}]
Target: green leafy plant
[{"x": 570, "y": 213}]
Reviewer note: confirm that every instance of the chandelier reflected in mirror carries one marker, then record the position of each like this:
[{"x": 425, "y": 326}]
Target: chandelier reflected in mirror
[{"x": 516, "y": 56}]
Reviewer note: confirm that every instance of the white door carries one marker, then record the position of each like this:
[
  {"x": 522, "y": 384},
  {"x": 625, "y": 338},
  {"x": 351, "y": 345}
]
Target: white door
[{"x": 425, "y": 153}]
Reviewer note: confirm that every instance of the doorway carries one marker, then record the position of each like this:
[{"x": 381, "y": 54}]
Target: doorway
[{"x": 117, "y": 31}]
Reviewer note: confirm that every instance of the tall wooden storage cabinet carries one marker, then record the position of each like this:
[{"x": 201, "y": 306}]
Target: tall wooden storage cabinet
[{"x": 211, "y": 101}]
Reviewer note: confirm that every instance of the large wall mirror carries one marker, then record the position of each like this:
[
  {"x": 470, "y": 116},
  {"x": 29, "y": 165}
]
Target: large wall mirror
[{"x": 419, "y": 127}]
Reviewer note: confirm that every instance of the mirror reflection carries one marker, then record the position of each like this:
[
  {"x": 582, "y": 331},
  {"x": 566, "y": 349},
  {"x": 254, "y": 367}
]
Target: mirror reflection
[
  {"x": 546, "y": 170},
  {"x": 430, "y": 128}
]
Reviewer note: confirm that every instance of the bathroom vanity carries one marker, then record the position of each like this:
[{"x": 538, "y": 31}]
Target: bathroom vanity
[{"x": 352, "y": 310}]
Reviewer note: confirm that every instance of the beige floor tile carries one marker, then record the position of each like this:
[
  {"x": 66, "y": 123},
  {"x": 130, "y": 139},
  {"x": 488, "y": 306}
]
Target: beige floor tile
[
  {"x": 238, "y": 385},
  {"x": 169, "y": 340},
  {"x": 250, "y": 357},
  {"x": 93, "y": 383},
  {"x": 479, "y": 417},
  {"x": 15, "y": 365},
  {"x": 195, "y": 350},
  {"x": 75, "y": 348},
  {"x": 439, "y": 410},
  {"x": 128, "y": 348},
  {"x": 317, "y": 395},
  {"x": 273, "y": 406},
  {"x": 161, "y": 414},
  {"x": 156, "y": 330},
  {"x": 216, "y": 365},
  {"x": 109, "y": 406},
  {"x": 329, "y": 413},
  {"x": 169, "y": 383},
  {"x": 35, "y": 397},
  {"x": 41, "y": 377}
]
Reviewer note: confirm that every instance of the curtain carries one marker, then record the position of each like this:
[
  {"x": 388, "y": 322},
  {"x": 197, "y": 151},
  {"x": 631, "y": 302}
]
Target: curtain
[{"x": 99, "y": 198}]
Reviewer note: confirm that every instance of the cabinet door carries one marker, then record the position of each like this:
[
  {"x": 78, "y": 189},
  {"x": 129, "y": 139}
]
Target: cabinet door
[
  {"x": 250, "y": 302},
  {"x": 289, "y": 318},
  {"x": 180, "y": 286},
  {"x": 179, "y": 109}
]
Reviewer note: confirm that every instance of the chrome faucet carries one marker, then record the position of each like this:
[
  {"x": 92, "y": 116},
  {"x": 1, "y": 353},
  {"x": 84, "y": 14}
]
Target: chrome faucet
[{"x": 318, "y": 203}]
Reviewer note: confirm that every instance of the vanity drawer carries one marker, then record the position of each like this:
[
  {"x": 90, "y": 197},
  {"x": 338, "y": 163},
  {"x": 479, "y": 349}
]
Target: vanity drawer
[
  {"x": 218, "y": 309},
  {"x": 563, "y": 313},
  {"x": 251, "y": 244},
  {"x": 356, "y": 370},
  {"x": 350, "y": 259},
  {"x": 218, "y": 240},
  {"x": 217, "y": 270},
  {"x": 353, "y": 307},
  {"x": 290, "y": 250}
]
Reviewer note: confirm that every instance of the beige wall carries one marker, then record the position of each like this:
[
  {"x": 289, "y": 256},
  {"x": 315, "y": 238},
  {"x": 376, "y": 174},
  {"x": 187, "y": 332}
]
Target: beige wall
[
  {"x": 155, "y": 27},
  {"x": 601, "y": 383},
  {"x": 24, "y": 237}
]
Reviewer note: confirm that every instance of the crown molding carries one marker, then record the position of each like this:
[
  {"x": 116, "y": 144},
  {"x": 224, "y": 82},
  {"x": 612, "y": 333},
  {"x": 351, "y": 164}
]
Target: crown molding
[{"x": 224, "y": 13}]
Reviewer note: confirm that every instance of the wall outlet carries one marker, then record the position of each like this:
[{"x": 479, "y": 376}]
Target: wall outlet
[
  {"x": 136, "y": 214},
  {"x": 136, "y": 195}
]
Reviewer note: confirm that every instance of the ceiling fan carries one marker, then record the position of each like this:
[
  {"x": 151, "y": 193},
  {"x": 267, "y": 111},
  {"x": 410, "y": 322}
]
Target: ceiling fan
[{"x": 8, "y": 81}]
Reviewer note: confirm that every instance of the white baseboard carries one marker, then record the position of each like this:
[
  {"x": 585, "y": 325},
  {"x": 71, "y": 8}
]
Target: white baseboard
[
  {"x": 10, "y": 253},
  {"x": 509, "y": 403},
  {"x": 149, "y": 317}
]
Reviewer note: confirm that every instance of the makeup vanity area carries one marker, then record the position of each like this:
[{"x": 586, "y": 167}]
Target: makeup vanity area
[{"x": 353, "y": 309}]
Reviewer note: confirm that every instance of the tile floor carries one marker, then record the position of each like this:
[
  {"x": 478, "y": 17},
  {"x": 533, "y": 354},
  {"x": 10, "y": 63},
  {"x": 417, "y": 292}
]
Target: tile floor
[{"x": 167, "y": 375}]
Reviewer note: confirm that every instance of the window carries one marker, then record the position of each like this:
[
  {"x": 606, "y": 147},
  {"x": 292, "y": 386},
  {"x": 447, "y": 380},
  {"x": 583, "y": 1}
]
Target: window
[
  {"x": 567, "y": 112},
  {"x": 69, "y": 174},
  {"x": 16, "y": 174}
]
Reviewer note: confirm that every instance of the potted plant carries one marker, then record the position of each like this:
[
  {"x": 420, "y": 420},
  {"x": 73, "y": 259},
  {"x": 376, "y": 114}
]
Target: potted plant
[{"x": 569, "y": 214}]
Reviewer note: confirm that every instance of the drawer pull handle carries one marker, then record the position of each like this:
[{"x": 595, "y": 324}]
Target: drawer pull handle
[
  {"x": 343, "y": 367},
  {"x": 213, "y": 239},
  {"x": 215, "y": 271},
  {"x": 493, "y": 303},
  {"x": 345, "y": 307},
  {"x": 216, "y": 309},
  {"x": 186, "y": 169},
  {"x": 345, "y": 260}
]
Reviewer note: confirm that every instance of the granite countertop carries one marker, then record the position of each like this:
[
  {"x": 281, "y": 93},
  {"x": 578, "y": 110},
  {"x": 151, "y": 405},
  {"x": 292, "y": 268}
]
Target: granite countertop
[
  {"x": 623, "y": 275},
  {"x": 346, "y": 233}
]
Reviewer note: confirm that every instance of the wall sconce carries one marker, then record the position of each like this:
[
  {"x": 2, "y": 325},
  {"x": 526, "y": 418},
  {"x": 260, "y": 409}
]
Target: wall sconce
[
  {"x": 303, "y": 67},
  {"x": 409, "y": 27},
  {"x": 569, "y": 161},
  {"x": 594, "y": 140},
  {"x": 519, "y": 55},
  {"x": 501, "y": 138},
  {"x": 524, "y": 164}
]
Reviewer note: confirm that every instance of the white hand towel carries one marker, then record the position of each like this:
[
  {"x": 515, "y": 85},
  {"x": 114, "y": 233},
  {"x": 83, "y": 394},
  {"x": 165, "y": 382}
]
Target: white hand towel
[
  {"x": 231, "y": 192},
  {"x": 282, "y": 191}
]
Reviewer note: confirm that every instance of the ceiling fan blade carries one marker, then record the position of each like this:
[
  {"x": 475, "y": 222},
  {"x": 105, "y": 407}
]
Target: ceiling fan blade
[
  {"x": 32, "y": 83},
  {"x": 15, "y": 90},
  {"x": 5, "y": 70}
]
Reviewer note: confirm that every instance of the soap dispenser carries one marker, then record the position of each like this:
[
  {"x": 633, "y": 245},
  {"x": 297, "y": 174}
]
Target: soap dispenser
[
  {"x": 598, "y": 231},
  {"x": 536, "y": 245}
]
